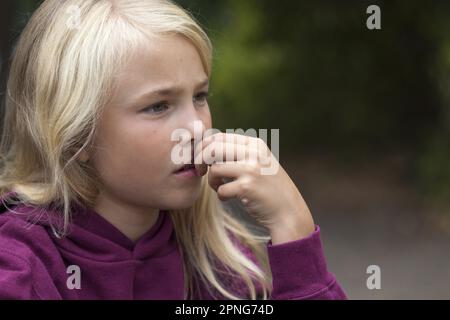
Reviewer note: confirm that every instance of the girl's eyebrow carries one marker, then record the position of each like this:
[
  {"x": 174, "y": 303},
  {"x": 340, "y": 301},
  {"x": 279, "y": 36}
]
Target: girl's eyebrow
[{"x": 167, "y": 91}]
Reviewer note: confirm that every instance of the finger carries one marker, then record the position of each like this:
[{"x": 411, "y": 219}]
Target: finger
[
  {"x": 227, "y": 170},
  {"x": 226, "y": 138},
  {"x": 228, "y": 190},
  {"x": 223, "y": 152}
]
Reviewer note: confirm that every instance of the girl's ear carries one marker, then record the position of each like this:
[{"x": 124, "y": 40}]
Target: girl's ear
[{"x": 84, "y": 157}]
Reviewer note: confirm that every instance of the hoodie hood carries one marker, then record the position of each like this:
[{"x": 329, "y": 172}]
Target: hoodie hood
[
  {"x": 111, "y": 265},
  {"x": 92, "y": 236}
]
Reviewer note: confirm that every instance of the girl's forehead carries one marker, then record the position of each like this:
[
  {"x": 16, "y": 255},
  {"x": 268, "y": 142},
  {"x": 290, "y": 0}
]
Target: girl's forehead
[
  {"x": 170, "y": 64},
  {"x": 163, "y": 58}
]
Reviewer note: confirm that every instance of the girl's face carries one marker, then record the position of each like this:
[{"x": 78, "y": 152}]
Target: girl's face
[{"x": 163, "y": 88}]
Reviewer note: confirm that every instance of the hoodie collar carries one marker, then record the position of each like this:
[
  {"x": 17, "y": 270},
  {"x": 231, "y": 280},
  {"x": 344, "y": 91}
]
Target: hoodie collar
[{"x": 93, "y": 237}]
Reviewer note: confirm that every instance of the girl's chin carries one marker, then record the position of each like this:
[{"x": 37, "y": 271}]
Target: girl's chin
[{"x": 184, "y": 200}]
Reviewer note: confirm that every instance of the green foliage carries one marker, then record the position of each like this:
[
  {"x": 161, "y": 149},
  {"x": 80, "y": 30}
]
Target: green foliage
[
  {"x": 318, "y": 74},
  {"x": 313, "y": 70}
]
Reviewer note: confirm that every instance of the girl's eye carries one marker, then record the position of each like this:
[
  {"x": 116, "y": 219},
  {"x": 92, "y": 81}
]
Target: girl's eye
[
  {"x": 201, "y": 98},
  {"x": 156, "y": 109}
]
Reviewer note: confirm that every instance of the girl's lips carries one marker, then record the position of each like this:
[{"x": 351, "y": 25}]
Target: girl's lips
[
  {"x": 188, "y": 171},
  {"x": 189, "y": 165},
  {"x": 198, "y": 170},
  {"x": 184, "y": 168}
]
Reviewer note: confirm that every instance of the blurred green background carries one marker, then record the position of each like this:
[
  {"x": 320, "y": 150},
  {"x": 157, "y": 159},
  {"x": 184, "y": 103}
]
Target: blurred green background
[
  {"x": 333, "y": 87},
  {"x": 313, "y": 70},
  {"x": 364, "y": 119}
]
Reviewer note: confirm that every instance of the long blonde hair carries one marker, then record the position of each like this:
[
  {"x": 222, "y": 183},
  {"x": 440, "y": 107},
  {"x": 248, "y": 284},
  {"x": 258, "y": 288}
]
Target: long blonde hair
[{"x": 62, "y": 71}]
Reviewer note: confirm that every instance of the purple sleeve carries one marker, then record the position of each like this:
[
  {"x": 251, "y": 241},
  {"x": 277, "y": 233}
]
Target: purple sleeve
[
  {"x": 15, "y": 277},
  {"x": 299, "y": 270}
]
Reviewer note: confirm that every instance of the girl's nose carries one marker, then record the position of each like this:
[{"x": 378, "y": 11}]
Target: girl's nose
[{"x": 196, "y": 128}]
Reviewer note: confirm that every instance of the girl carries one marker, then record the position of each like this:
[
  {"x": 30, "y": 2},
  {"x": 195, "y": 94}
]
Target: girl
[{"x": 92, "y": 205}]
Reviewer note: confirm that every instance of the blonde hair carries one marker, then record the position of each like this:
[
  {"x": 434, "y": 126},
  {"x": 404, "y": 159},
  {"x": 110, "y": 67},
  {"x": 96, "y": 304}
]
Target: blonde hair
[{"x": 61, "y": 75}]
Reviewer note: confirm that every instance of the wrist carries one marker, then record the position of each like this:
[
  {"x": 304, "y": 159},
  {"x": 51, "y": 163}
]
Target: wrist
[{"x": 291, "y": 230}]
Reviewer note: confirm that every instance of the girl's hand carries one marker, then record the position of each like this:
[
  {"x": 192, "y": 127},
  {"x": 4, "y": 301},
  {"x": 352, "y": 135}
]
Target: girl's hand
[{"x": 272, "y": 199}]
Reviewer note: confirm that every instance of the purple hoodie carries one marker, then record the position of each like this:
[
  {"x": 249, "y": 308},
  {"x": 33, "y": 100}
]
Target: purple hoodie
[{"x": 97, "y": 261}]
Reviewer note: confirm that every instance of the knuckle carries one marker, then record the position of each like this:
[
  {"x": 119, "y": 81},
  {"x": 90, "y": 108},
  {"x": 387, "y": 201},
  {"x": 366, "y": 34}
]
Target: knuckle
[
  {"x": 245, "y": 185},
  {"x": 262, "y": 144},
  {"x": 213, "y": 169},
  {"x": 252, "y": 168}
]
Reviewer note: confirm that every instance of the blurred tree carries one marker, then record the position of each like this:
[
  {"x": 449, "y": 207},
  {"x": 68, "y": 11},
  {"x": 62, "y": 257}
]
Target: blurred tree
[
  {"x": 5, "y": 43},
  {"x": 313, "y": 70}
]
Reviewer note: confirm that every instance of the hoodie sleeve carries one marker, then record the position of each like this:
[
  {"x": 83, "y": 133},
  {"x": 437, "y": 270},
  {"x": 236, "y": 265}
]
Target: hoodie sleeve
[
  {"x": 299, "y": 270},
  {"x": 22, "y": 274},
  {"x": 16, "y": 280}
]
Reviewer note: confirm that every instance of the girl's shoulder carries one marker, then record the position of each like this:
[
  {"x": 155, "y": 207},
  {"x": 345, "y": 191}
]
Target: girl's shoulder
[
  {"x": 23, "y": 250},
  {"x": 19, "y": 226}
]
